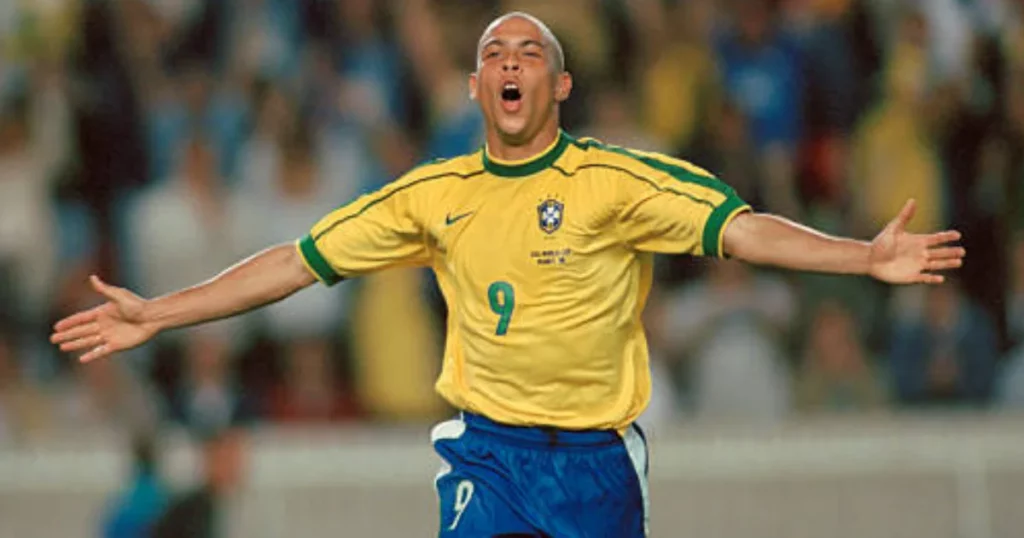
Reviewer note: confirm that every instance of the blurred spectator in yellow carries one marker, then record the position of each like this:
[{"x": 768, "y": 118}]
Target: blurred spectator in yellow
[
  {"x": 678, "y": 79},
  {"x": 895, "y": 156},
  {"x": 836, "y": 373},
  {"x": 30, "y": 29}
]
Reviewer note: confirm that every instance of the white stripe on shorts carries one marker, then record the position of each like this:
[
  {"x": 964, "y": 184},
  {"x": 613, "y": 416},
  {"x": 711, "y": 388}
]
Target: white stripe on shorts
[
  {"x": 637, "y": 450},
  {"x": 449, "y": 429}
]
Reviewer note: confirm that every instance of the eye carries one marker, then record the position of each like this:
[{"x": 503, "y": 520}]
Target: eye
[
  {"x": 491, "y": 54},
  {"x": 533, "y": 54}
]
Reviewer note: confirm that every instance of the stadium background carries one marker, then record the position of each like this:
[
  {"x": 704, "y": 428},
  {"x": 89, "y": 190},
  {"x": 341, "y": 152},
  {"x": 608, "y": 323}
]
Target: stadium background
[{"x": 157, "y": 141}]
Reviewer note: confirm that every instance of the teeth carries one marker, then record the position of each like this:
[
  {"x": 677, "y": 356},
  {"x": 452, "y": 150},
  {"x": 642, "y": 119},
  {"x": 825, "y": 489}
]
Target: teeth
[{"x": 511, "y": 86}]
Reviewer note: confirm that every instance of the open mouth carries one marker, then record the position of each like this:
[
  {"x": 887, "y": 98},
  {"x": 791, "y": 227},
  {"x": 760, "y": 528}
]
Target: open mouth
[{"x": 511, "y": 97}]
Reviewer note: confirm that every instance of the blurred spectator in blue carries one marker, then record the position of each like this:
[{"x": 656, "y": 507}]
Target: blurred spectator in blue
[
  {"x": 177, "y": 107},
  {"x": 369, "y": 63},
  {"x": 133, "y": 512},
  {"x": 1011, "y": 385},
  {"x": 836, "y": 372},
  {"x": 943, "y": 350},
  {"x": 732, "y": 327},
  {"x": 761, "y": 72},
  {"x": 200, "y": 513},
  {"x": 263, "y": 37},
  {"x": 441, "y": 58}
]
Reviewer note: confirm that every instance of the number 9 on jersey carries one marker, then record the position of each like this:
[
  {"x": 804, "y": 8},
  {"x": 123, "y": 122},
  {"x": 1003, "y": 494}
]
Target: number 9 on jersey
[{"x": 503, "y": 301}]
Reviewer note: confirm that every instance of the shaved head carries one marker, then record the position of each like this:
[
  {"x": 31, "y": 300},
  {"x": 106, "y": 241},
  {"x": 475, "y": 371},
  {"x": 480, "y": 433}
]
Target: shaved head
[{"x": 551, "y": 43}]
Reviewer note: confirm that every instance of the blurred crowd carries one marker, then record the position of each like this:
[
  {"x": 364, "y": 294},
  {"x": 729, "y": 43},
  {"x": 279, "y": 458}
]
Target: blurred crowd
[{"x": 155, "y": 142}]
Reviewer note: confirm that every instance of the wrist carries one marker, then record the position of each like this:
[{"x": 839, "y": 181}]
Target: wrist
[
  {"x": 151, "y": 318},
  {"x": 865, "y": 264}
]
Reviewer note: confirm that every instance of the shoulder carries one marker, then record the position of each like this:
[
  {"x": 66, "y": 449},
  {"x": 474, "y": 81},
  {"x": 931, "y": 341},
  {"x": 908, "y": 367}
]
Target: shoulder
[
  {"x": 639, "y": 163},
  {"x": 427, "y": 175},
  {"x": 461, "y": 167}
]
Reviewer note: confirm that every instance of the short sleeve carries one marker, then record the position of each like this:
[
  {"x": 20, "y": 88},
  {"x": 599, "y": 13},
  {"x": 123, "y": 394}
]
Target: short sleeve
[
  {"x": 671, "y": 206},
  {"x": 376, "y": 231}
]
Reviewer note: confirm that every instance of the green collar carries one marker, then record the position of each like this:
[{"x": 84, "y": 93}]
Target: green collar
[{"x": 528, "y": 166}]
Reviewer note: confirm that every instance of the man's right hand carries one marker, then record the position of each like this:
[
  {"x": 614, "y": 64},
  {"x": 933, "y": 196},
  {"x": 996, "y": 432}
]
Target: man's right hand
[{"x": 114, "y": 326}]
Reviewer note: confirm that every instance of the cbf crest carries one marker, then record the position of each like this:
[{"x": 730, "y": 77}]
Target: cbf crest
[{"x": 549, "y": 215}]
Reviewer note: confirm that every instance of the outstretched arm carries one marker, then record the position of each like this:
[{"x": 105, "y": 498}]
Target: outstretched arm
[
  {"x": 127, "y": 320},
  {"x": 894, "y": 256}
]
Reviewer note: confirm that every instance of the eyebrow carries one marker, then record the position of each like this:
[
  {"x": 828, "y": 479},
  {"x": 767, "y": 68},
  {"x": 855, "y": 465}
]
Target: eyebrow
[{"x": 525, "y": 43}]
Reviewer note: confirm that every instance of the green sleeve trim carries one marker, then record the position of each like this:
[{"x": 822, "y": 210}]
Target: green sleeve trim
[
  {"x": 316, "y": 262},
  {"x": 714, "y": 228}
]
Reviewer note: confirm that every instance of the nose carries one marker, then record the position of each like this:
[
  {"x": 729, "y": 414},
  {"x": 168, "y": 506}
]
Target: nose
[{"x": 511, "y": 63}]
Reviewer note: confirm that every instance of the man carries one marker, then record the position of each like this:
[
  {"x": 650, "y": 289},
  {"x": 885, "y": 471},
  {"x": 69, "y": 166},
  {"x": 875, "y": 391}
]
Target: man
[
  {"x": 199, "y": 513},
  {"x": 542, "y": 245}
]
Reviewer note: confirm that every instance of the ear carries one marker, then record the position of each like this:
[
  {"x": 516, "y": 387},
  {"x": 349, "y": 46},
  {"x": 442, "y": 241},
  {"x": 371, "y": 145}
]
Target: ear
[
  {"x": 563, "y": 86},
  {"x": 472, "y": 86}
]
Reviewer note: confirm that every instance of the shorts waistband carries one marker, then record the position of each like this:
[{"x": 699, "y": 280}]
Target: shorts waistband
[{"x": 541, "y": 435}]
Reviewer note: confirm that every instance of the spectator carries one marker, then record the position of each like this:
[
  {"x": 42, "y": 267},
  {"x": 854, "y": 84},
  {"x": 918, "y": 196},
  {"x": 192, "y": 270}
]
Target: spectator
[
  {"x": 836, "y": 372},
  {"x": 133, "y": 512},
  {"x": 894, "y": 140},
  {"x": 732, "y": 325},
  {"x": 613, "y": 120},
  {"x": 200, "y": 513},
  {"x": 679, "y": 79},
  {"x": 762, "y": 73},
  {"x": 307, "y": 324},
  {"x": 27, "y": 228},
  {"x": 942, "y": 352}
]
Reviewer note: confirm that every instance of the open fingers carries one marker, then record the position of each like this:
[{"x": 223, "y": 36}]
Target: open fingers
[
  {"x": 946, "y": 253},
  {"x": 79, "y": 344},
  {"x": 928, "y": 278},
  {"x": 76, "y": 319},
  {"x": 906, "y": 213},
  {"x": 948, "y": 263},
  {"x": 97, "y": 352},
  {"x": 942, "y": 238},
  {"x": 75, "y": 332}
]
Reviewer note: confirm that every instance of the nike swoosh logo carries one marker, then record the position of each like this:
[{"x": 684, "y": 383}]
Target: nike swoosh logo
[{"x": 449, "y": 219}]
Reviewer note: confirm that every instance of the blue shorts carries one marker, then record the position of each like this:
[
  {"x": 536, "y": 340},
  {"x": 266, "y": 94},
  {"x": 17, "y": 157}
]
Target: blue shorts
[{"x": 506, "y": 481}]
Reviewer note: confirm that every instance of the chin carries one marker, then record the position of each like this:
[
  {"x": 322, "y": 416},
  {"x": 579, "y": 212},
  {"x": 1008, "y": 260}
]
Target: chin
[{"x": 513, "y": 131}]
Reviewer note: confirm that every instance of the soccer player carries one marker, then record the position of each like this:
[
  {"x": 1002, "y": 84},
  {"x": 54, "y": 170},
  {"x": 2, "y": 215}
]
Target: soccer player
[{"x": 542, "y": 244}]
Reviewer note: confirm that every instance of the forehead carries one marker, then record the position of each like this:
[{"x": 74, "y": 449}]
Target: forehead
[{"x": 512, "y": 29}]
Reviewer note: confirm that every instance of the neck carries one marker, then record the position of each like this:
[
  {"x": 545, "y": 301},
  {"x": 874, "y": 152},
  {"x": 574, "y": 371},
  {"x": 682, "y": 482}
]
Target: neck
[{"x": 499, "y": 148}]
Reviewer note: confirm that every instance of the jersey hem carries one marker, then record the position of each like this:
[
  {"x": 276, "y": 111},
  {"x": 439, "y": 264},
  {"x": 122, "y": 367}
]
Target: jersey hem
[
  {"x": 714, "y": 230},
  {"x": 315, "y": 262}
]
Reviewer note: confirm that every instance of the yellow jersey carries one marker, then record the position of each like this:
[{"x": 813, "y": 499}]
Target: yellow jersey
[{"x": 545, "y": 265}]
